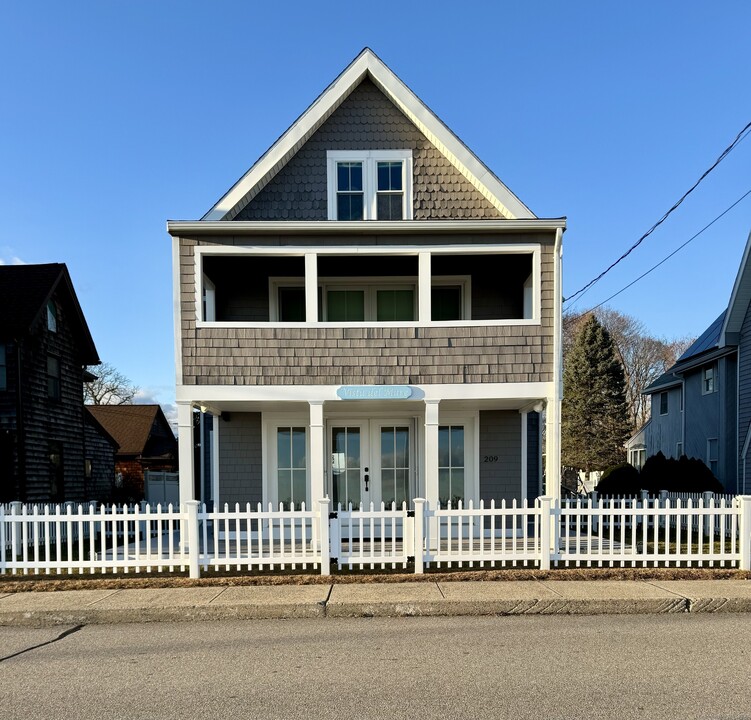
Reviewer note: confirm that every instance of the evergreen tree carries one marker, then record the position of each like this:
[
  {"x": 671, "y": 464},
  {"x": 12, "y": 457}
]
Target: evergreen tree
[{"x": 595, "y": 423}]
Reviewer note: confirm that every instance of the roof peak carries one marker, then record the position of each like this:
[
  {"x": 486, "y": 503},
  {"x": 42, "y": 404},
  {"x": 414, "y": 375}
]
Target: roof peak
[{"x": 368, "y": 64}]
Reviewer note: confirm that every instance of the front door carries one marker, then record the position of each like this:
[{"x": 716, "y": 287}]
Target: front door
[{"x": 371, "y": 461}]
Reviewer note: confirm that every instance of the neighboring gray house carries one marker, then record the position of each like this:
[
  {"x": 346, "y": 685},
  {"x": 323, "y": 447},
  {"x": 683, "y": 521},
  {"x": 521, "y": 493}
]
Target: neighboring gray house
[
  {"x": 368, "y": 314},
  {"x": 701, "y": 407}
]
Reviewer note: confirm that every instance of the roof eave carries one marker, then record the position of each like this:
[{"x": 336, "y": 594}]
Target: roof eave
[
  {"x": 181, "y": 228},
  {"x": 739, "y": 298}
]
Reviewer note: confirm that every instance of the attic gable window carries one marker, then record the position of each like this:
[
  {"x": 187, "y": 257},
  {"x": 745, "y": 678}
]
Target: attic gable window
[{"x": 369, "y": 184}]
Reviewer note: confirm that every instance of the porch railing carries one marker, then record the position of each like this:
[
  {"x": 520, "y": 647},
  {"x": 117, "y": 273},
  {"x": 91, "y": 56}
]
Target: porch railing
[{"x": 590, "y": 532}]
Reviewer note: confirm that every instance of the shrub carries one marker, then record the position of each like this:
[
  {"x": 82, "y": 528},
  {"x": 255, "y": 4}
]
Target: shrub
[
  {"x": 687, "y": 475},
  {"x": 621, "y": 479}
]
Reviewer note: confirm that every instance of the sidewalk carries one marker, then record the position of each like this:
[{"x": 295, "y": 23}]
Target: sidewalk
[{"x": 530, "y": 597}]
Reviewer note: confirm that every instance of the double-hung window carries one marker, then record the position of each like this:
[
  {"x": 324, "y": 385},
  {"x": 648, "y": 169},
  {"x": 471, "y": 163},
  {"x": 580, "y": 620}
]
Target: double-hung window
[
  {"x": 370, "y": 184},
  {"x": 708, "y": 379}
]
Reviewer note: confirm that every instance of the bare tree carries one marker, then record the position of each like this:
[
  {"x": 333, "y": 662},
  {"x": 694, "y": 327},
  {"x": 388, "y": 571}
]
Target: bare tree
[
  {"x": 643, "y": 357},
  {"x": 109, "y": 387}
]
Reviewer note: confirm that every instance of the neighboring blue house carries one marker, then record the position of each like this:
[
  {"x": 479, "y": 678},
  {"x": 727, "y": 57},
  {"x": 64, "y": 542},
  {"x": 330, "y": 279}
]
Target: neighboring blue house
[{"x": 701, "y": 407}]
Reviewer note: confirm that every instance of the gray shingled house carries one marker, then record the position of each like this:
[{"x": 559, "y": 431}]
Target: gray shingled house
[
  {"x": 368, "y": 314},
  {"x": 701, "y": 407}
]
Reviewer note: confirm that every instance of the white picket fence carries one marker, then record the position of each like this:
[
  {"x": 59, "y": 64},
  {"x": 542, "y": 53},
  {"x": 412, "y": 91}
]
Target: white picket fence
[{"x": 589, "y": 532}]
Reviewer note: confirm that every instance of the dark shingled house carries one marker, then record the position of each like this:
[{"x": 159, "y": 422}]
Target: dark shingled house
[{"x": 47, "y": 445}]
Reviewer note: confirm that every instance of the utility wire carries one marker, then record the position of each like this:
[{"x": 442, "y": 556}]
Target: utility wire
[
  {"x": 679, "y": 248},
  {"x": 740, "y": 136}
]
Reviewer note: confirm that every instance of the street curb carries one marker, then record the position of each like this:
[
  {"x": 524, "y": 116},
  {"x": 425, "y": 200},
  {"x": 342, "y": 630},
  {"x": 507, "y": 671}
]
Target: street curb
[{"x": 93, "y": 616}]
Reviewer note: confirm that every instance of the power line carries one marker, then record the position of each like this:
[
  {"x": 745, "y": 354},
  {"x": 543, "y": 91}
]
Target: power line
[
  {"x": 740, "y": 136},
  {"x": 678, "y": 249}
]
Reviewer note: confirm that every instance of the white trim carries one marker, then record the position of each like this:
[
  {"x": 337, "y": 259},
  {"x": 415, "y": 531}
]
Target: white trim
[
  {"x": 522, "y": 392},
  {"x": 176, "y": 314},
  {"x": 310, "y": 255},
  {"x": 424, "y": 287},
  {"x": 241, "y": 228},
  {"x": 311, "y": 287},
  {"x": 434, "y": 130},
  {"x": 369, "y": 160},
  {"x": 367, "y": 323},
  {"x": 414, "y": 250}
]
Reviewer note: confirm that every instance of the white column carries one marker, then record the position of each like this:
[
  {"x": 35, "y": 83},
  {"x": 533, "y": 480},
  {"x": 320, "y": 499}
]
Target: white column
[
  {"x": 215, "y": 459},
  {"x": 316, "y": 452},
  {"x": 524, "y": 468},
  {"x": 431, "y": 453},
  {"x": 185, "y": 450},
  {"x": 424, "y": 284},
  {"x": 553, "y": 448},
  {"x": 311, "y": 287}
]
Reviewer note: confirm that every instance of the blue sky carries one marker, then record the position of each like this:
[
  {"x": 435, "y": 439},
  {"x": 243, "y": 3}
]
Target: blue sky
[{"x": 116, "y": 116}]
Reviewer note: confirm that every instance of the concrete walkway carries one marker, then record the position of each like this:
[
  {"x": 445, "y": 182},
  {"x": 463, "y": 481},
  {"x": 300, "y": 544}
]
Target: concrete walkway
[{"x": 532, "y": 597}]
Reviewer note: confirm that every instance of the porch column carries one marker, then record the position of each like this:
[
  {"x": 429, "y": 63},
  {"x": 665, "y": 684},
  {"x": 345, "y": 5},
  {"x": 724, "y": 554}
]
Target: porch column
[
  {"x": 316, "y": 452},
  {"x": 311, "y": 288},
  {"x": 553, "y": 448},
  {"x": 185, "y": 451},
  {"x": 424, "y": 283},
  {"x": 431, "y": 453},
  {"x": 524, "y": 458}
]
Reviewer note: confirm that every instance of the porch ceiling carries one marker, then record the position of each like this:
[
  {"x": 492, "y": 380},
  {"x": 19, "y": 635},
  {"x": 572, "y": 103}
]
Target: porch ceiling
[{"x": 366, "y": 407}]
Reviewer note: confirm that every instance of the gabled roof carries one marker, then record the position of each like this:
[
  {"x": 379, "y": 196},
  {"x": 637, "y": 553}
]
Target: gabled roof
[
  {"x": 368, "y": 64},
  {"x": 129, "y": 425},
  {"x": 24, "y": 293},
  {"x": 99, "y": 427},
  {"x": 739, "y": 300}
]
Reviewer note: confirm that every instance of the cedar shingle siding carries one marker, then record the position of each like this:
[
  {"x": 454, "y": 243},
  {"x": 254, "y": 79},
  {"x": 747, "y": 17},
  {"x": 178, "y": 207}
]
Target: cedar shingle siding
[
  {"x": 313, "y": 356},
  {"x": 368, "y": 120}
]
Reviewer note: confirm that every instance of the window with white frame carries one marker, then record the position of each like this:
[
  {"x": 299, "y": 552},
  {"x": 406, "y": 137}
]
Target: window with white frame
[
  {"x": 369, "y": 184},
  {"x": 637, "y": 457},
  {"x": 708, "y": 379},
  {"x": 451, "y": 470},
  {"x": 664, "y": 403},
  {"x": 291, "y": 466},
  {"x": 713, "y": 451}
]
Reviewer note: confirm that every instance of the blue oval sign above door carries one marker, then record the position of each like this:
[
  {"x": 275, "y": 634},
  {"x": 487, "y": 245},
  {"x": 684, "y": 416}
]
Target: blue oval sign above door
[{"x": 374, "y": 392}]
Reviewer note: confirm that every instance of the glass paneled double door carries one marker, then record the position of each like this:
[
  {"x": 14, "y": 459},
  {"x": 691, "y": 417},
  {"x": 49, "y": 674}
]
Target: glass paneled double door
[{"x": 371, "y": 461}]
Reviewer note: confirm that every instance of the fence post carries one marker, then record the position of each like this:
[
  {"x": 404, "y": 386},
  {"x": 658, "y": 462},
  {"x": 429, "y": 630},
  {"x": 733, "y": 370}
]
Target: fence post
[
  {"x": 419, "y": 534},
  {"x": 595, "y": 516},
  {"x": 193, "y": 535},
  {"x": 744, "y": 528},
  {"x": 16, "y": 508},
  {"x": 663, "y": 505},
  {"x": 546, "y": 524},
  {"x": 323, "y": 535}
]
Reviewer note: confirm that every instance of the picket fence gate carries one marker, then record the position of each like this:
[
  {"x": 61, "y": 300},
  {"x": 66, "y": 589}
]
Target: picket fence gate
[{"x": 586, "y": 532}]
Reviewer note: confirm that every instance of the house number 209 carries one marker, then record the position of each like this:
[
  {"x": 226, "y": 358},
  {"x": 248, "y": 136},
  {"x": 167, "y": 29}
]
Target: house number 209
[{"x": 490, "y": 458}]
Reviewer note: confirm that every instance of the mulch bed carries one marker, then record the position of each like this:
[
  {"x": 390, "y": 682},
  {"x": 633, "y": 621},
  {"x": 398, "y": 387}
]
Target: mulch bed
[{"x": 46, "y": 583}]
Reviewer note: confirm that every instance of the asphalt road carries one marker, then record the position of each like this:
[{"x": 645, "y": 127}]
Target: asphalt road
[{"x": 638, "y": 666}]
